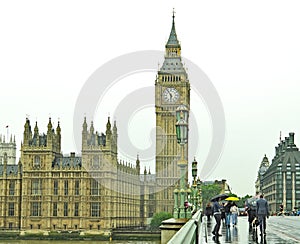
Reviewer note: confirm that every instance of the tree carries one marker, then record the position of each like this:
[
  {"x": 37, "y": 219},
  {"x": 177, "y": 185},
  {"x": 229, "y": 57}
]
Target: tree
[
  {"x": 209, "y": 191},
  {"x": 158, "y": 218},
  {"x": 241, "y": 202}
]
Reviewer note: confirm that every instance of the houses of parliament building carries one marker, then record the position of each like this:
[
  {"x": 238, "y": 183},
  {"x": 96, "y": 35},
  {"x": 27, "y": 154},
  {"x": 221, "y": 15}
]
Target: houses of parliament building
[{"x": 47, "y": 191}]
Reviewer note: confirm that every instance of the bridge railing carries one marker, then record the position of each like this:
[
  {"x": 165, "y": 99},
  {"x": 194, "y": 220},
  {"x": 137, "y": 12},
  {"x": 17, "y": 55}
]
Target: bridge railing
[{"x": 189, "y": 233}]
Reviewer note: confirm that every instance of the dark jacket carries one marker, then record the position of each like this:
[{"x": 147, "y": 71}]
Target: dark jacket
[
  {"x": 216, "y": 208},
  {"x": 227, "y": 207},
  {"x": 208, "y": 210}
]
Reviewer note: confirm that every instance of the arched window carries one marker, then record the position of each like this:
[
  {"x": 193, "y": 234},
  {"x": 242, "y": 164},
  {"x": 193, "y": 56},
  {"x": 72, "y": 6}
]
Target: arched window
[{"x": 37, "y": 160}]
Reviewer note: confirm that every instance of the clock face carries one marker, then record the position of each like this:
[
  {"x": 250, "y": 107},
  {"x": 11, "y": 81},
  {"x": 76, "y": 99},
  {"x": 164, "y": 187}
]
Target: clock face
[{"x": 170, "y": 95}]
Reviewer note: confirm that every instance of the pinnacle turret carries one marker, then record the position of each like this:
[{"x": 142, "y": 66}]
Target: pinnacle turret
[
  {"x": 172, "y": 64},
  {"x": 36, "y": 129},
  {"x": 58, "y": 129},
  {"x": 173, "y": 41},
  {"x": 49, "y": 125}
]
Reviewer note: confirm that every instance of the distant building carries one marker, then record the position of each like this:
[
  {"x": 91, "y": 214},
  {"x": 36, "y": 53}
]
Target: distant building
[
  {"x": 225, "y": 188},
  {"x": 280, "y": 182},
  {"x": 9, "y": 147},
  {"x": 10, "y": 185},
  {"x": 264, "y": 165}
]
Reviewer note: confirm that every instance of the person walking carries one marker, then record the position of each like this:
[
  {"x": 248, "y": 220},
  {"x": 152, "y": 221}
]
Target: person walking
[
  {"x": 208, "y": 211},
  {"x": 234, "y": 213},
  {"x": 251, "y": 211},
  {"x": 281, "y": 210},
  {"x": 223, "y": 214},
  {"x": 262, "y": 212},
  {"x": 227, "y": 207},
  {"x": 217, "y": 214}
]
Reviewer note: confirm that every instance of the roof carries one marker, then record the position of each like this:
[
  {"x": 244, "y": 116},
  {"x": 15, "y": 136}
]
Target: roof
[
  {"x": 173, "y": 41},
  {"x": 287, "y": 162},
  {"x": 67, "y": 162},
  {"x": 10, "y": 169},
  {"x": 149, "y": 177},
  {"x": 172, "y": 65}
]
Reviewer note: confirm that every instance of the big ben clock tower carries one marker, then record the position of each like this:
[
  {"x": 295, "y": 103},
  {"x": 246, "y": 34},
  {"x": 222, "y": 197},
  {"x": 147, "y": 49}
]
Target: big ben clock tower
[{"x": 172, "y": 89}]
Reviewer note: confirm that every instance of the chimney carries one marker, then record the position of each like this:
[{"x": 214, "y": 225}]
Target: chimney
[
  {"x": 286, "y": 142},
  {"x": 291, "y": 139},
  {"x": 280, "y": 148},
  {"x": 276, "y": 151}
]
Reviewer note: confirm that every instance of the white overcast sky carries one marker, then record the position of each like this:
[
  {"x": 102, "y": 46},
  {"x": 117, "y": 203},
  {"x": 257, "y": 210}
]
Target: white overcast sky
[{"x": 250, "y": 50}]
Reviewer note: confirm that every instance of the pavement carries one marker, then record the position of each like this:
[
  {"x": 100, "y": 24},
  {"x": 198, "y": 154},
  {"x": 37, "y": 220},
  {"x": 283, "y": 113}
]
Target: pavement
[{"x": 280, "y": 230}]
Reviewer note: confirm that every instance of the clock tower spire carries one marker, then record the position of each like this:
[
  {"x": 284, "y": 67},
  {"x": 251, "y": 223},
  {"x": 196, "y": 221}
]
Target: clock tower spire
[{"x": 172, "y": 89}]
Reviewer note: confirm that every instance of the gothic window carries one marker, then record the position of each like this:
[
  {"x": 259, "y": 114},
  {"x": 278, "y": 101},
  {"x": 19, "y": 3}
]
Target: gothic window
[
  {"x": 11, "y": 209},
  {"x": 76, "y": 210},
  {"x": 95, "y": 188},
  {"x": 35, "y": 209},
  {"x": 77, "y": 183},
  {"x": 65, "y": 209},
  {"x": 36, "y": 187},
  {"x": 95, "y": 161},
  {"x": 55, "y": 187},
  {"x": 55, "y": 209},
  {"x": 37, "y": 161},
  {"x": 95, "y": 209},
  {"x": 11, "y": 188},
  {"x": 66, "y": 187}
]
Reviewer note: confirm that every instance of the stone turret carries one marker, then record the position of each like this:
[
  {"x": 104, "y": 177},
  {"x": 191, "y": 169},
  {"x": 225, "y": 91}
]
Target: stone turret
[
  {"x": 84, "y": 133},
  {"x": 40, "y": 150},
  {"x": 58, "y": 137},
  {"x": 138, "y": 166},
  {"x": 286, "y": 145},
  {"x": 108, "y": 132},
  {"x": 114, "y": 142},
  {"x": 27, "y": 133},
  {"x": 9, "y": 148}
]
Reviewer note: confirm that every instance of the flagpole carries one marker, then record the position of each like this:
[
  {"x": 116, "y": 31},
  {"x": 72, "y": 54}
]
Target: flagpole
[{"x": 7, "y": 133}]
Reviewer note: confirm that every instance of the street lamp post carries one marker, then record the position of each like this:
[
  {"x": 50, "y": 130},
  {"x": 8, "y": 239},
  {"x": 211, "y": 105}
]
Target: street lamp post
[
  {"x": 182, "y": 138},
  {"x": 176, "y": 212},
  {"x": 199, "y": 194},
  {"x": 194, "y": 185}
]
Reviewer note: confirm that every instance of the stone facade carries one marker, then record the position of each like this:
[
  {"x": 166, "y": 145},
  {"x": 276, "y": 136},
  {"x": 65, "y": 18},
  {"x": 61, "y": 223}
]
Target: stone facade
[
  {"x": 172, "y": 89},
  {"x": 10, "y": 185},
  {"x": 93, "y": 192},
  {"x": 9, "y": 147},
  {"x": 264, "y": 165},
  {"x": 280, "y": 181}
]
